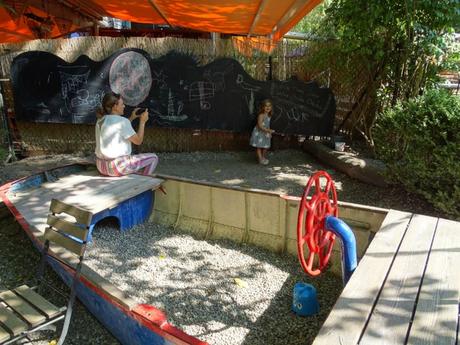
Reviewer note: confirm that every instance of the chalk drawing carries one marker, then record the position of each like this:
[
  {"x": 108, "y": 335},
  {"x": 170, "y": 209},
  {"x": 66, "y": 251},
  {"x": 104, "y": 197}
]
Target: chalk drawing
[
  {"x": 160, "y": 79},
  {"x": 78, "y": 99},
  {"x": 202, "y": 91},
  {"x": 174, "y": 115},
  {"x": 130, "y": 76},
  {"x": 245, "y": 85},
  {"x": 250, "y": 101}
]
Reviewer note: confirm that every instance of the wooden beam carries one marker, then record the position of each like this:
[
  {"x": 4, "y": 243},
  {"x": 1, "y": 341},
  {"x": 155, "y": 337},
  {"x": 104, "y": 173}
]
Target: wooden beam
[
  {"x": 55, "y": 9},
  {"x": 88, "y": 7},
  {"x": 291, "y": 11},
  {"x": 152, "y": 2},
  {"x": 257, "y": 16}
]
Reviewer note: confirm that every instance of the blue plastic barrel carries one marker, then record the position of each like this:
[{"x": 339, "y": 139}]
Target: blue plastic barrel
[{"x": 305, "y": 300}]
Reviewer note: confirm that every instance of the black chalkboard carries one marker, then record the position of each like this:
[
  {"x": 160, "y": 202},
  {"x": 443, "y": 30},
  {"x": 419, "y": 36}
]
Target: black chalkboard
[{"x": 177, "y": 92}]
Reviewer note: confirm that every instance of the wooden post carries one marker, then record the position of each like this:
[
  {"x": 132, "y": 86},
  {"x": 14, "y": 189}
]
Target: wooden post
[
  {"x": 96, "y": 29},
  {"x": 215, "y": 43}
]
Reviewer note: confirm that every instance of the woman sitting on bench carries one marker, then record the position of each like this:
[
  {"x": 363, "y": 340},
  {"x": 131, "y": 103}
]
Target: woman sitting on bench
[{"x": 114, "y": 135}]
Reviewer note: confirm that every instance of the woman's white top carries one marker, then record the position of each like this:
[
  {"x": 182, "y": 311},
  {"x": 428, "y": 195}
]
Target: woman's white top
[{"x": 112, "y": 133}]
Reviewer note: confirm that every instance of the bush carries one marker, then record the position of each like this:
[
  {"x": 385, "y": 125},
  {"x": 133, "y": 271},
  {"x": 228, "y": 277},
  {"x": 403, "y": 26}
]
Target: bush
[{"x": 419, "y": 139}]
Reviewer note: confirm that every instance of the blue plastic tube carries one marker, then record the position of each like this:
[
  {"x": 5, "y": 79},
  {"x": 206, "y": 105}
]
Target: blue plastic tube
[{"x": 348, "y": 244}]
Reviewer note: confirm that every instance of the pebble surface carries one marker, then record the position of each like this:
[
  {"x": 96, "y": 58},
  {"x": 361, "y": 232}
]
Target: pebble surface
[{"x": 218, "y": 291}]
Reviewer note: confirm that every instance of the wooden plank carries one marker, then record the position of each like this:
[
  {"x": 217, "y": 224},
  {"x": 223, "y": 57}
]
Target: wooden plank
[
  {"x": 109, "y": 199},
  {"x": 81, "y": 216},
  {"x": 98, "y": 195},
  {"x": 65, "y": 242},
  {"x": 11, "y": 321},
  {"x": 93, "y": 193},
  {"x": 38, "y": 301},
  {"x": 392, "y": 314},
  {"x": 85, "y": 184},
  {"x": 354, "y": 306},
  {"x": 67, "y": 227},
  {"x": 49, "y": 187},
  {"x": 23, "y": 308},
  {"x": 436, "y": 316},
  {"x": 4, "y": 335}
]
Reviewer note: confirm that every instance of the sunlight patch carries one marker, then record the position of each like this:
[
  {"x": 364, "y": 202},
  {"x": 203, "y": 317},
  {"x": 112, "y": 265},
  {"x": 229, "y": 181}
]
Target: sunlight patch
[{"x": 233, "y": 182}]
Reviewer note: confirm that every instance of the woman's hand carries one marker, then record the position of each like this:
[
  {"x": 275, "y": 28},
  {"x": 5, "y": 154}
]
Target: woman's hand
[
  {"x": 144, "y": 116},
  {"x": 134, "y": 114}
]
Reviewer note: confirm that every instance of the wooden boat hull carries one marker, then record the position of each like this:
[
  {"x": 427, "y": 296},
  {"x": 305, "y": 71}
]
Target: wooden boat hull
[
  {"x": 222, "y": 212},
  {"x": 129, "y": 322}
]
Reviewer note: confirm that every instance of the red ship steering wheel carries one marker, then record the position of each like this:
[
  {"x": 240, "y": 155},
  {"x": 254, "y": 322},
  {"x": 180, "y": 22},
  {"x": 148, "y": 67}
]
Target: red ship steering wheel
[{"x": 313, "y": 209}]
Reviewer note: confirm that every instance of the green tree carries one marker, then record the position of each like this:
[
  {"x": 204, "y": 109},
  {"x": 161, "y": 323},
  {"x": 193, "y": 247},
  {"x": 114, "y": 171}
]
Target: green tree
[{"x": 398, "y": 46}]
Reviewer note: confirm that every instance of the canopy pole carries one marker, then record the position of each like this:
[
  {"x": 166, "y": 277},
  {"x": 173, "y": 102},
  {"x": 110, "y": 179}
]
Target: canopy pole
[
  {"x": 270, "y": 68},
  {"x": 215, "y": 42},
  {"x": 152, "y": 2},
  {"x": 287, "y": 15},
  {"x": 96, "y": 28}
]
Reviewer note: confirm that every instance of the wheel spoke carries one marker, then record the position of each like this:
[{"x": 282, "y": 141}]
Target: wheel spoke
[
  {"x": 317, "y": 186},
  {"x": 310, "y": 259}
]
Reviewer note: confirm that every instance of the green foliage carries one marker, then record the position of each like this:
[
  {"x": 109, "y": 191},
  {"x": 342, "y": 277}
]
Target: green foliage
[
  {"x": 391, "y": 50},
  {"x": 403, "y": 41},
  {"x": 419, "y": 139},
  {"x": 312, "y": 22},
  {"x": 452, "y": 58}
]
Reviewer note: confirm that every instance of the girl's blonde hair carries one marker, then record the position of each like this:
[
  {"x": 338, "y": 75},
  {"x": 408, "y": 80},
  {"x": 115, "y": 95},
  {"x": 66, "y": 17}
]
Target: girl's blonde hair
[{"x": 263, "y": 104}]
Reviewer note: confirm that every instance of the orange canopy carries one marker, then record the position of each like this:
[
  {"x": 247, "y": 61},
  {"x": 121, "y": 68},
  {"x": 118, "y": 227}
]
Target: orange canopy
[{"x": 29, "y": 19}]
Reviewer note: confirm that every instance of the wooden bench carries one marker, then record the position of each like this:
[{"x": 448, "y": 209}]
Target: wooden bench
[
  {"x": 405, "y": 289},
  {"x": 23, "y": 310}
]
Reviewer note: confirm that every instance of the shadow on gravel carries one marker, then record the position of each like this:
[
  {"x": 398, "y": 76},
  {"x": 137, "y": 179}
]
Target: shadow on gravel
[{"x": 183, "y": 275}]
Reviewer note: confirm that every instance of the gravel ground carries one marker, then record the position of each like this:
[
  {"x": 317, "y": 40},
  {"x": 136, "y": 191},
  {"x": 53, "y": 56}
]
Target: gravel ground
[
  {"x": 287, "y": 172},
  {"x": 218, "y": 291}
]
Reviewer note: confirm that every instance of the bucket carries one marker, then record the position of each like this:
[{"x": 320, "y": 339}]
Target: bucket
[
  {"x": 339, "y": 146},
  {"x": 338, "y": 143},
  {"x": 305, "y": 300}
]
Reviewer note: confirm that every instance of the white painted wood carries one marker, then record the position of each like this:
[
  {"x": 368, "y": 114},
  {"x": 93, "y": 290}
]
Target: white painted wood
[
  {"x": 67, "y": 227},
  {"x": 11, "y": 322},
  {"x": 352, "y": 310},
  {"x": 392, "y": 314},
  {"x": 38, "y": 301},
  {"x": 4, "y": 335},
  {"x": 91, "y": 192},
  {"x": 436, "y": 317},
  {"x": 24, "y": 309}
]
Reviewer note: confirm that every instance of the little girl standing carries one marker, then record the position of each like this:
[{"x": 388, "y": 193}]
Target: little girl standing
[{"x": 262, "y": 134}]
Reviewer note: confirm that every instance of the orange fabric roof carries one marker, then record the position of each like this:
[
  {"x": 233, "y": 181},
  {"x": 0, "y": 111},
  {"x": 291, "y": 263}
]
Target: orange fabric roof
[
  {"x": 269, "y": 18},
  {"x": 25, "y": 28}
]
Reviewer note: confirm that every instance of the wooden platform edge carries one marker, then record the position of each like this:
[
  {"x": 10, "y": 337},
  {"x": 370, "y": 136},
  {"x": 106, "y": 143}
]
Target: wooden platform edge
[{"x": 352, "y": 310}]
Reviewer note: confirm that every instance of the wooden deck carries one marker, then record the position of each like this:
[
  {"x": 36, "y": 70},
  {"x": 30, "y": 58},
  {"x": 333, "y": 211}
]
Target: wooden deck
[
  {"x": 405, "y": 289},
  {"x": 87, "y": 190}
]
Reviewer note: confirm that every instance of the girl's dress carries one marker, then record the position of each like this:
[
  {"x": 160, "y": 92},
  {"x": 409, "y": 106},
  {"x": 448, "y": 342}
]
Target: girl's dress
[{"x": 259, "y": 138}]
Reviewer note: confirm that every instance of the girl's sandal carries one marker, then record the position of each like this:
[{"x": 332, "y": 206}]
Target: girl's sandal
[{"x": 263, "y": 162}]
